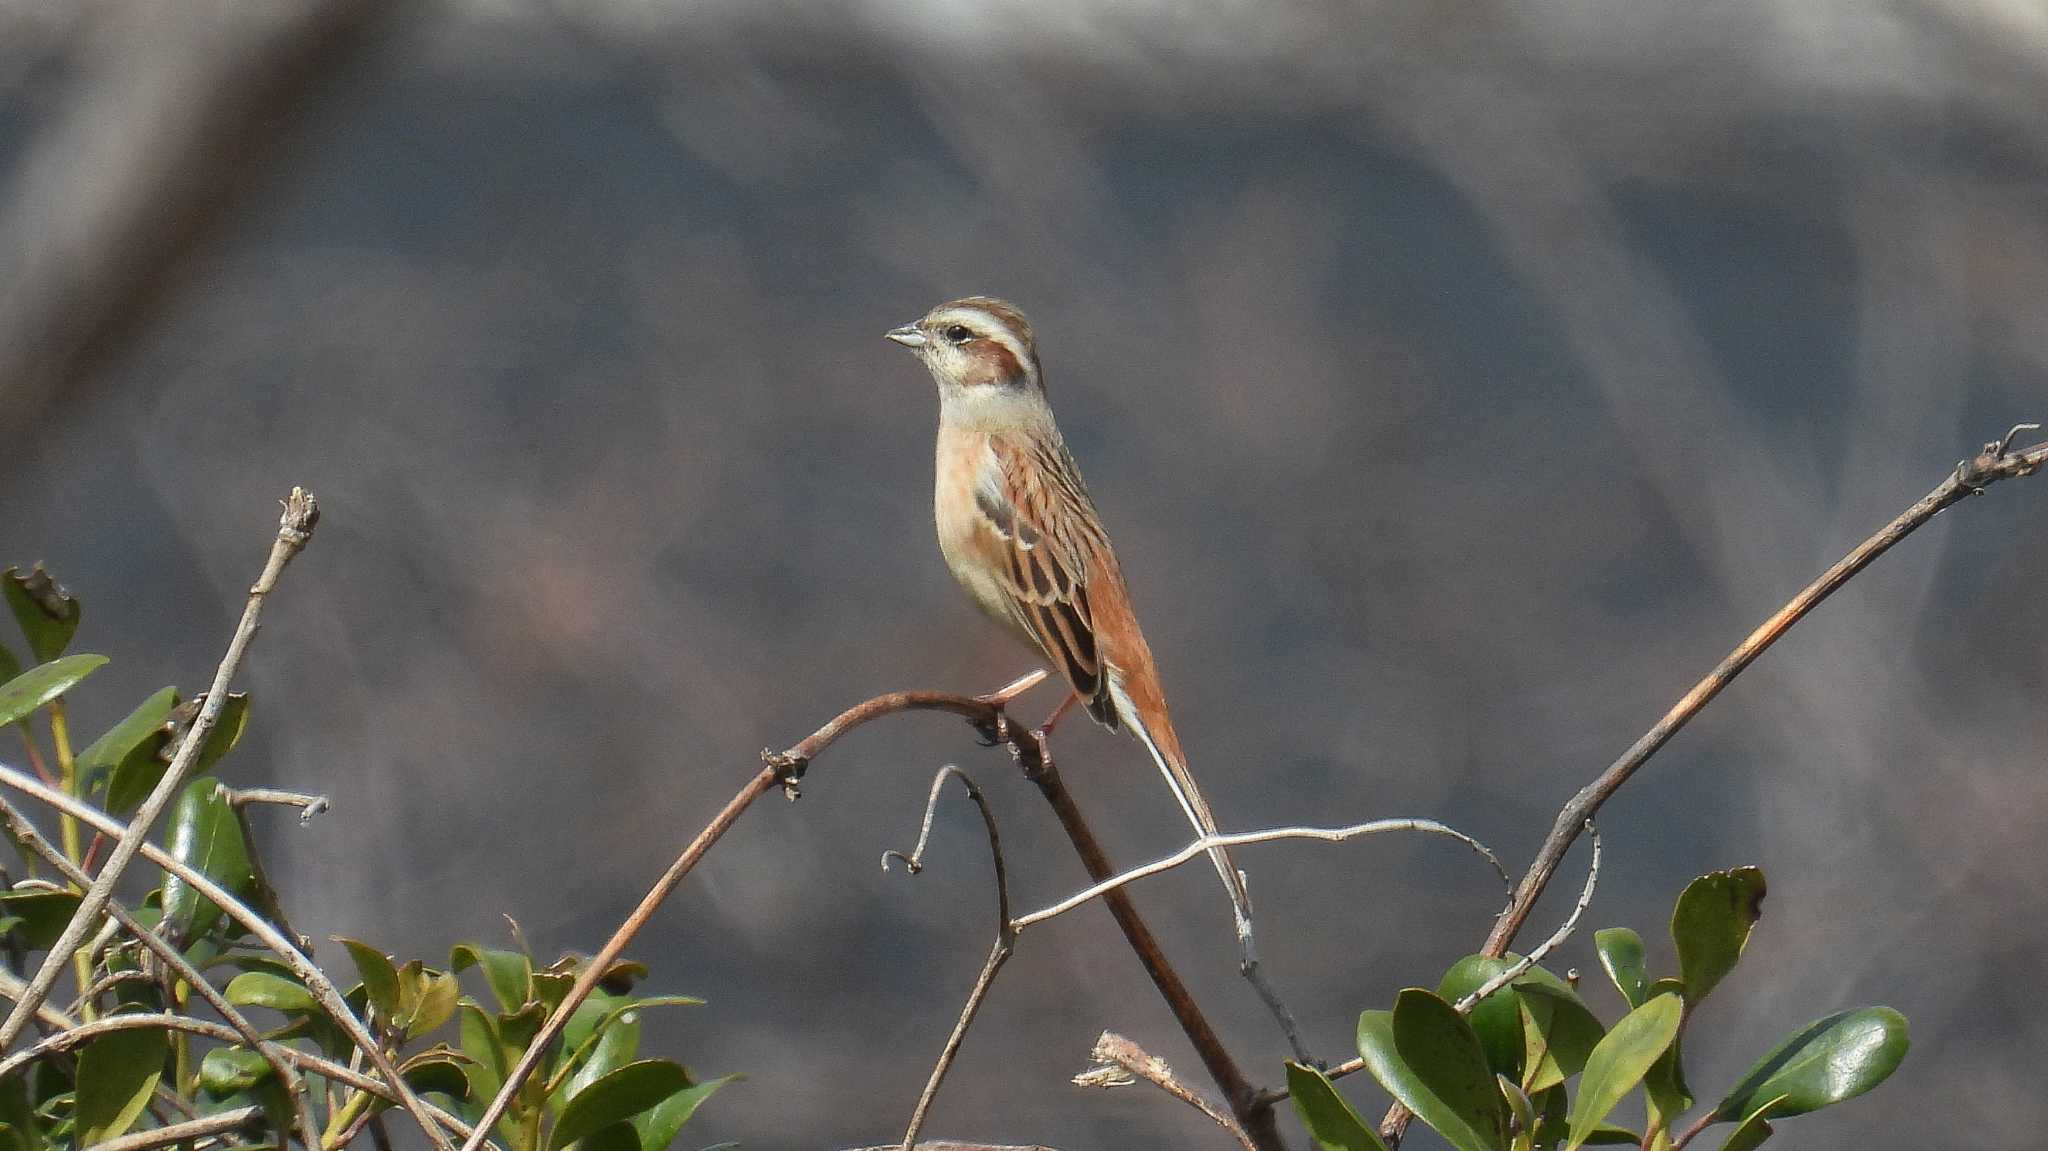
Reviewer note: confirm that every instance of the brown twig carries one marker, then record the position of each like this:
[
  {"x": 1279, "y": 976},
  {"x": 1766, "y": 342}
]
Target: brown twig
[
  {"x": 295, "y": 527},
  {"x": 999, "y": 951},
  {"x": 593, "y": 971},
  {"x": 1118, "y": 1061},
  {"x": 308, "y": 805},
  {"x": 1996, "y": 461},
  {"x": 315, "y": 980},
  {"x": 24, "y": 832},
  {"x": 246, "y": 1120},
  {"x": 956, "y": 1145},
  {"x": 1247, "y": 1103}
]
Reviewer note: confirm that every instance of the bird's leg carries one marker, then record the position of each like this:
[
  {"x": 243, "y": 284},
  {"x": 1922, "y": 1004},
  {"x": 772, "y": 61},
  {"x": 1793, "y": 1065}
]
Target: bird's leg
[
  {"x": 995, "y": 730},
  {"x": 1053, "y": 720}
]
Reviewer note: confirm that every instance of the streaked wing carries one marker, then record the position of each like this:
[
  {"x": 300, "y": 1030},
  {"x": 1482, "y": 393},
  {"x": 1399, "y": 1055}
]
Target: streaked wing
[{"x": 1049, "y": 549}]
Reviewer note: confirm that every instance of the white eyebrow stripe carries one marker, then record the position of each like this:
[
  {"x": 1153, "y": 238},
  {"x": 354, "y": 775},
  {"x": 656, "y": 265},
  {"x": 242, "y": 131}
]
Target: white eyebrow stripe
[{"x": 994, "y": 327}]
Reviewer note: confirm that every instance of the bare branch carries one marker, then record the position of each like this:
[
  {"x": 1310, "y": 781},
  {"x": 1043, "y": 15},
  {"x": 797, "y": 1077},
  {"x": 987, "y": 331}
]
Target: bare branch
[
  {"x": 999, "y": 952},
  {"x": 301, "y": 513},
  {"x": 245, "y": 1120},
  {"x": 315, "y": 980},
  {"x": 782, "y": 768},
  {"x": 1994, "y": 462},
  {"x": 308, "y": 805},
  {"x": 955, "y": 1145},
  {"x": 1564, "y": 931},
  {"x": 25, "y": 832},
  {"x": 1118, "y": 1061},
  {"x": 1203, "y": 845}
]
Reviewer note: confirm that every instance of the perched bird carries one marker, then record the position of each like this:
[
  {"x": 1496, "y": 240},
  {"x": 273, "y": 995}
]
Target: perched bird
[{"x": 1021, "y": 535}]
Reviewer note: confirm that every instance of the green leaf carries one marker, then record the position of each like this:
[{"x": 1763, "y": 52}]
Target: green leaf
[
  {"x": 658, "y": 1125},
  {"x": 615, "y": 1047},
  {"x": 380, "y": 978},
  {"x": 1665, "y": 1086},
  {"x": 1829, "y": 1060},
  {"x": 479, "y": 1041},
  {"x": 1751, "y": 1132},
  {"x": 205, "y": 836},
  {"x": 1331, "y": 1123},
  {"x": 1620, "y": 1061},
  {"x": 510, "y": 973},
  {"x": 433, "y": 1002},
  {"x": 136, "y": 738},
  {"x": 623, "y": 1093},
  {"x": 1558, "y": 1033},
  {"x": 1711, "y": 925},
  {"x": 614, "y": 1137},
  {"x": 226, "y": 1070},
  {"x": 1429, "y": 1058},
  {"x": 264, "y": 989},
  {"x": 9, "y": 668},
  {"x": 1497, "y": 1019},
  {"x": 48, "y": 614},
  {"x": 221, "y": 738},
  {"x": 22, "y": 695},
  {"x": 1621, "y": 953},
  {"x": 116, "y": 1073},
  {"x": 441, "y": 1070},
  {"x": 43, "y": 913}
]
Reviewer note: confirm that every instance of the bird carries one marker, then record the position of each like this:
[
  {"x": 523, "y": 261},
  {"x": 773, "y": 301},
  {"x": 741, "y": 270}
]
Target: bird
[{"x": 1021, "y": 534}]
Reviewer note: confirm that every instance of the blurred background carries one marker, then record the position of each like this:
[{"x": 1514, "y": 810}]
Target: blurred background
[{"x": 1459, "y": 381}]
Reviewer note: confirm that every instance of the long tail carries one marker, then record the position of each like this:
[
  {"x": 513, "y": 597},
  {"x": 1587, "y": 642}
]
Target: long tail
[{"x": 1157, "y": 734}]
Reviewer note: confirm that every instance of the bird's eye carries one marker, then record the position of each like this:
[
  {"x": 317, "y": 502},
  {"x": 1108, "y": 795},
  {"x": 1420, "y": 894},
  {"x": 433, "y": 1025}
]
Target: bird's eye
[{"x": 959, "y": 333}]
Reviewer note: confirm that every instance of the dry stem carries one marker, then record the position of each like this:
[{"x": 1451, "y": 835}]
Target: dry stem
[{"x": 301, "y": 513}]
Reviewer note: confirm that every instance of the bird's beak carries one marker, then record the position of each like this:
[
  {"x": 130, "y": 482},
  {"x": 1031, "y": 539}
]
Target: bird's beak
[{"x": 908, "y": 335}]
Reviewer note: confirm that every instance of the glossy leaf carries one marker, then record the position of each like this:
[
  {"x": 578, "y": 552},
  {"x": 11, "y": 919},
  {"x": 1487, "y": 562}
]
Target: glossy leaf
[
  {"x": 658, "y": 1125},
  {"x": 1829, "y": 1060},
  {"x": 1451, "y": 1061},
  {"x": 1665, "y": 1085},
  {"x": 1751, "y": 1132},
  {"x": 615, "y": 1137},
  {"x": 226, "y": 1070},
  {"x": 510, "y": 973},
  {"x": 613, "y": 1048},
  {"x": 1558, "y": 1034},
  {"x": 18, "y": 1115},
  {"x": 620, "y": 1095},
  {"x": 10, "y": 666},
  {"x": 1621, "y": 954},
  {"x": 206, "y": 836},
  {"x": 43, "y": 913},
  {"x": 432, "y": 1004},
  {"x": 380, "y": 978},
  {"x": 1327, "y": 1116},
  {"x": 221, "y": 738},
  {"x": 116, "y": 1073},
  {"x": 264, "y": 989},
  {"x": 1711, "y": 926},
  {"x": 1620, "y": 1061},
  {"x": 440, "y": 1070},
  {"x": 136, "y": 739},
  {"x": 48, "y": 614},
  {"x": 23, "y": 694},
  {"x": 1497, "y": 1019},
  {"x": 479, "y": 1041}
]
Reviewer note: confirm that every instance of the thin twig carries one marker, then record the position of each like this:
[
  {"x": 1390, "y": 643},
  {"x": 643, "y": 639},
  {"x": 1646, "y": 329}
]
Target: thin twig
[
  {"x": 1246, "y": 1101},
  {"x": 956, "y": 1145},
  {"x": 308, "y": 805},
  {"x": 245, "y": 1120},
  {"x": 999, "y": 951},
  {"x": 1203, "y": 845},
  {"x": 1996, "y": 461},
  {"x": 586, "y": 981},
  {"x": 315, "y": 980},
  {"x": 301, "y": 513},
  {"x": 303, "y": 1060},
  {"x": 1118, "y": 1060},
  {"x": 19, "y": 827}
]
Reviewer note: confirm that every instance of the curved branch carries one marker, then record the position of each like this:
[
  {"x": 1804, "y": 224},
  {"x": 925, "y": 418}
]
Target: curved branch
[
  {"x": 999, "y": 952},
  {"x": 1202, "y": 846}
]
